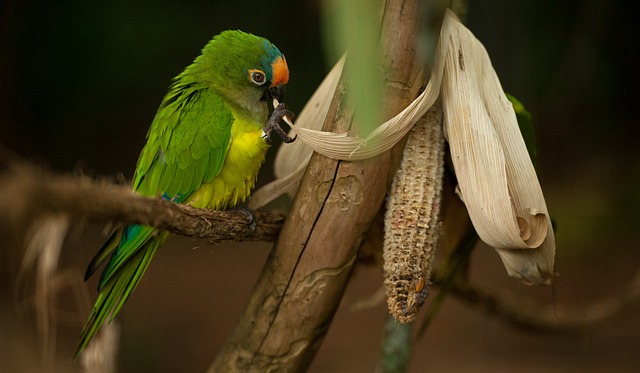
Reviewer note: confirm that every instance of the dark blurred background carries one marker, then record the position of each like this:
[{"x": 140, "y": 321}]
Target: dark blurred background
[{"x": 80, "y": 82}]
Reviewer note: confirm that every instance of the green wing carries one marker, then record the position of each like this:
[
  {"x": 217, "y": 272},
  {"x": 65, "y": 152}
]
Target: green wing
[{"x": 186, "y": 144}]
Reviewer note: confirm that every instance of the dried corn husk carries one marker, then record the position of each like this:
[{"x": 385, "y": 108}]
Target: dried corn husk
[
  {"x": 411, "y": 228},
  {"x": 496, "y": 179}
]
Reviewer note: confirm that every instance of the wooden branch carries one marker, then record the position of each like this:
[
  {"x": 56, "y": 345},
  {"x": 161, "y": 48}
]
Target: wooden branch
[
  {"x": 28, "y": 192},
  {"x": 304, "y": 278}
]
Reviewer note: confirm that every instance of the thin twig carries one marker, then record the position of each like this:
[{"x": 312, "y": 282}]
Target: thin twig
[
  {"x": 553, "y": 320},
  {"x": 28, "y": 192}
]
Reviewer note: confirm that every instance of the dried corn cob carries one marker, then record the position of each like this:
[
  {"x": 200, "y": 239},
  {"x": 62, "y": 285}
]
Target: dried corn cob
[{"x": 411, "y": 221}]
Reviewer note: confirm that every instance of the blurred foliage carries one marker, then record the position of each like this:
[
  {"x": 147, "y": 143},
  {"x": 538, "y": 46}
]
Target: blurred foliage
[{"x": 354, "y": 26}]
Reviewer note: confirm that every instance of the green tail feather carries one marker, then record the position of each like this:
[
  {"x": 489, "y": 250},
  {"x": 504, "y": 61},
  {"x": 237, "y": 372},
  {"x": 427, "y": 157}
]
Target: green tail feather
[
  {"x": 134, "y": 238},
  {"x": 123, "y": 273},
  {"x": 113, "y": 242}
]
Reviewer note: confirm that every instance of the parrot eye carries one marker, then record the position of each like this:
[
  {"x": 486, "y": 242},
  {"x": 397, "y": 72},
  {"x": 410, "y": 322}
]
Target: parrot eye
[{"x": 257, "y": 77}]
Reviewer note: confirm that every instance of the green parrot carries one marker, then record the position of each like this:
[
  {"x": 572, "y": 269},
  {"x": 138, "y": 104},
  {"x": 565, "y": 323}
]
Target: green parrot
[{"x": 204, "y": 148}]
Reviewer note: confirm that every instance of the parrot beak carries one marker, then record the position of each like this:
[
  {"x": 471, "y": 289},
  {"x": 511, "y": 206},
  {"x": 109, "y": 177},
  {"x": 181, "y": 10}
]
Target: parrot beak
[{"x": 276, "y": 92}]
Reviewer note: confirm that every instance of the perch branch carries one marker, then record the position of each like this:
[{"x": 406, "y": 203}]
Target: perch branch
[{"x": 28, "y": 192}]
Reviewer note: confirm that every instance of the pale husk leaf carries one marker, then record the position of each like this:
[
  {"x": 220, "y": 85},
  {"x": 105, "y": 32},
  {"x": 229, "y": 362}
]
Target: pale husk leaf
[{"x": 496, "y": 178}]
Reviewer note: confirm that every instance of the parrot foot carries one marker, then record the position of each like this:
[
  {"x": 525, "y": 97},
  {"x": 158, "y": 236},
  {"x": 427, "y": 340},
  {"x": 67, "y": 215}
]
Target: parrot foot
[
  {"x": 280, "y": 113},
  {"x": 251, "y": 216}
]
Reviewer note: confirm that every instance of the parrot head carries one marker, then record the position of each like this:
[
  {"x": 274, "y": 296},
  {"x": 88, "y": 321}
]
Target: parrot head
[{"x": 247, "y": 69}]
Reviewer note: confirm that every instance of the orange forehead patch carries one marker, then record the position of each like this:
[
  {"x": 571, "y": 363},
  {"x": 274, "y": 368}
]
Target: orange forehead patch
[{"x": 280, "y": 71}]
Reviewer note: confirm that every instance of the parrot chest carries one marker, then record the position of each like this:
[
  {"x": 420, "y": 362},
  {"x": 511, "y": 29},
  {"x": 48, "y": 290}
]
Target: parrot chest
[{"x": 237, "y": 177}]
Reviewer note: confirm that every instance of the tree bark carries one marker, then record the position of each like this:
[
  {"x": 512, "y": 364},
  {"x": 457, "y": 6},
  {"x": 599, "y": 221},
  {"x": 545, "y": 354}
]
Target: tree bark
[{"x": 304, "y": 278}]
